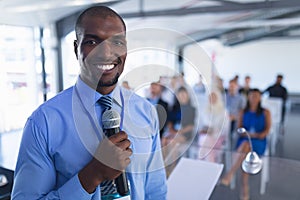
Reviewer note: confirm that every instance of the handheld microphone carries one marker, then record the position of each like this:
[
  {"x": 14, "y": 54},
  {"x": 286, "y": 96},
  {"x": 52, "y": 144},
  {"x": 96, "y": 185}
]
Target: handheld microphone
[
  {"x": 111, "y": 125},
  {"x": 252, "y": 163}
]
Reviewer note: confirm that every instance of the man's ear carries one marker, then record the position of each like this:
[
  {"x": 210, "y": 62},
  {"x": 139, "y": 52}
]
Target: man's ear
[{"x": 75, "y": 48}]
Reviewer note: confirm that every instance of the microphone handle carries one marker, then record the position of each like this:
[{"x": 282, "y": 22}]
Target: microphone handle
[
  {"x": 122, "y": 184},
  {"x": 111, "y": 131},
  {"x": 121, "y": 181}
]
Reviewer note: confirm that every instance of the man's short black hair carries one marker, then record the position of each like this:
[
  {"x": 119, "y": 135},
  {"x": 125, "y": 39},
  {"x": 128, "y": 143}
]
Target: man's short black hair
[
  {"x": 96, "y": 11},
  {"x": 280, "y": 76}
]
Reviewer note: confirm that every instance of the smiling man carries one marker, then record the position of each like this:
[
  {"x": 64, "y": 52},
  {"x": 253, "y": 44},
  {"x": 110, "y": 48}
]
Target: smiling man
[
  {"x": 64, "y": 153},
  {"x": 101, "y": 49}
]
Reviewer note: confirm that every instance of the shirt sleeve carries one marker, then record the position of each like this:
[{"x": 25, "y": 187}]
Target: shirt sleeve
[{"x": 35, "y": 174}]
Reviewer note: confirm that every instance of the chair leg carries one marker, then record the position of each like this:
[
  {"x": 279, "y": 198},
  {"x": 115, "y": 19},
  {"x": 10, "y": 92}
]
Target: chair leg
[{"x": 264, "y": 175}]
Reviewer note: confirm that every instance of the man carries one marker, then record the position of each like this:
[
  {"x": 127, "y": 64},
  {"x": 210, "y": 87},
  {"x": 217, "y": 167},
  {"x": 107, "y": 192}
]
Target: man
[
  {"x": 278, "y": 91},
  {"x": 246, "y": 88},
  {"x": 64, "y": 153},
  {"x": 161, "y": 105},
  {"x": 125, "y": 84},
  {"x": 234, "y": 103}
]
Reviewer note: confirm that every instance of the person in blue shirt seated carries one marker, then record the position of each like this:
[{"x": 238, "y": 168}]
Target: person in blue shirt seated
[
  {"x": 64, "y": 153},
  {"x": 161, "y": 106}
]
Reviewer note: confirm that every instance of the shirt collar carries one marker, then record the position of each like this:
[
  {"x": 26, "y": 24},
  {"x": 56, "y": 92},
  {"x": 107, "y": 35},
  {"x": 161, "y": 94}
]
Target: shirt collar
[
  {"x": 116, "y": 94},
  {"x": 90, "y": 96}
]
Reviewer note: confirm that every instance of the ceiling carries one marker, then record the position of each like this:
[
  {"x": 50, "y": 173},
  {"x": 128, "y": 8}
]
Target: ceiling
[{"x": 232, "y": 21}]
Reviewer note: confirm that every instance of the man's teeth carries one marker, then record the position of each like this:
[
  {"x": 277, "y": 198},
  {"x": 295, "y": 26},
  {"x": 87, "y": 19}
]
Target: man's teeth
[{"x": 105, "y": 67}]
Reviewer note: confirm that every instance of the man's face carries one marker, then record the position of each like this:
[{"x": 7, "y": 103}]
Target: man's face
[
  {"x": 233, "y": 87},
  {"x": 183, "y": 97},
  {"x": 278, "y": 80},
  {"x": 101, "y": 50},
  {"x": 155, "y": 89},
  {"x": 247, "y": 80}
]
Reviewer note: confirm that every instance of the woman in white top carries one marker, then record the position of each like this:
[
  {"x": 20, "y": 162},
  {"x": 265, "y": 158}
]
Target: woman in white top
[{"x": 215, "y": 128}]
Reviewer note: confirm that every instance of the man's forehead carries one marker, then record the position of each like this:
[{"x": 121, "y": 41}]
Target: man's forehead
[
  {"x": 100, "y": 18},
  {"x": 107, "y": 25}
]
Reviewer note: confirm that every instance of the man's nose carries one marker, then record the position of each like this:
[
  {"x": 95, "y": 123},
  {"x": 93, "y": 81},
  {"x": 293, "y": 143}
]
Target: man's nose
[{"x": 104, "y": 49}]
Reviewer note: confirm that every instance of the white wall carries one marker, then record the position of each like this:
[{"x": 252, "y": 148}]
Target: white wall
[
  {"x": 197, "y": 62},
  {"x": 262, "y": 60}
]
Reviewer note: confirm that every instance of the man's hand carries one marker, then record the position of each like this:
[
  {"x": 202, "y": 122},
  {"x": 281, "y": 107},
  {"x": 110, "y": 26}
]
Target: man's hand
[{"x": 110, "y": 160}]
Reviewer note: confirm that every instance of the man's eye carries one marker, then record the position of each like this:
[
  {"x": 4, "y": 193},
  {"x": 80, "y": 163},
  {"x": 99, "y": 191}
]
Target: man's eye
[
  {"x": 90, "y": 42},
  {"x": 119, "y": 43}
]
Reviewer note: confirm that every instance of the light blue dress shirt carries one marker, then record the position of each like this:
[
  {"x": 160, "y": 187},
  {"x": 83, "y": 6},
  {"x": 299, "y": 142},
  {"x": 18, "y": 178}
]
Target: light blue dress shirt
[
  {"x": 61, "y": 136},
  {"x": 234, "y": 103}
]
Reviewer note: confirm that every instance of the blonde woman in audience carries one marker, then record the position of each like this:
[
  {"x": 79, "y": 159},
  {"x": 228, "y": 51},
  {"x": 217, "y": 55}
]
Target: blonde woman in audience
[{"x": 214, "y": 131}]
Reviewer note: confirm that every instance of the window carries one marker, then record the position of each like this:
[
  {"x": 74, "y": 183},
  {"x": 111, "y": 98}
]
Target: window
[
  {"x": 18, "y": 77},
  {"x": 70, "y": 64}
]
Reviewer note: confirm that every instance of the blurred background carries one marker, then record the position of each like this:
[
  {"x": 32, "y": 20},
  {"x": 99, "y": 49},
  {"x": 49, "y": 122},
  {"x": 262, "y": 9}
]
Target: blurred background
[{"x": 192, "y": 42}]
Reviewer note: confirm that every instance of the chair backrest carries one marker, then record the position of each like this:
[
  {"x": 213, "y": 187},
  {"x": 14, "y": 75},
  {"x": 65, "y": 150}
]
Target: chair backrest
[
  {"x": 5, "y": 190},
  {"x": 274, "y": 105}
]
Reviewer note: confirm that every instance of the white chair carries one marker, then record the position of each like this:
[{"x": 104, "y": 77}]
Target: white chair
[
  {"x": 274, "y": 106},
  {"x": 265, "y": 172}
]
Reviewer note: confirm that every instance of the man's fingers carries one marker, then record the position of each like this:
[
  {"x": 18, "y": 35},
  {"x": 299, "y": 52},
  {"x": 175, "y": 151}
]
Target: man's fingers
[
  {"x": 118, "y": 137},
  {"x": 115, "y": 151},
  {"x": 124, "y": 144}
]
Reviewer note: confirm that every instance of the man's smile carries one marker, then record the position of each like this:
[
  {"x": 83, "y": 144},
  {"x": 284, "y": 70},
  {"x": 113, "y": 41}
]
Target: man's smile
[{"x": 106, "y": 67}]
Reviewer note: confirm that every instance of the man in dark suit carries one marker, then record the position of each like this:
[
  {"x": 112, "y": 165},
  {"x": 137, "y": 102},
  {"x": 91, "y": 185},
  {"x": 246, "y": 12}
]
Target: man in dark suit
[{"x": 278, "y": 91}]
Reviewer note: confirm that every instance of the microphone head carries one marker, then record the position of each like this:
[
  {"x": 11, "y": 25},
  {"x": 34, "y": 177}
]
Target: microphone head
[
  {"x": 111, "y": 119},
  {"x": 252, "y": 164}
]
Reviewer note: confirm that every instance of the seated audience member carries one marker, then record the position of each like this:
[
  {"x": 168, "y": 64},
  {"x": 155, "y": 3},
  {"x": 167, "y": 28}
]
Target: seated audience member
[
  {"x": 125, "y": 84},
  {"x": 180, "y": 129},
  {"x": 170, "y": 88},
  {"x": 199, "y": 88},
  {"x": 201, "y": 97},
  {"x": 257, "y": 121},
  {"x": 244, "y": 90},
  {"x": 214, "y": 131},
  {"x": 234, "y": 103},
  {"x": 181, "y": 118},
  {"x": 161, "y": 105}
]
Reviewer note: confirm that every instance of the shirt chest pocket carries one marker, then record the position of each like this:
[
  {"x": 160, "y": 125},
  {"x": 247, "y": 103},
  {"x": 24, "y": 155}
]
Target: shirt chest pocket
[
  {"x": 142, "y": 148},
  {"x": 142, "y": 153}
]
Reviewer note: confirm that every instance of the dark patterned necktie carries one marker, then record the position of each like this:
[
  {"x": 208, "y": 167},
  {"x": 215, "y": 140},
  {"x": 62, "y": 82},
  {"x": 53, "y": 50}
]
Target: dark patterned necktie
[
  {"x": 107, "y": 187},
  {"x": 105, "y": 102}
]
